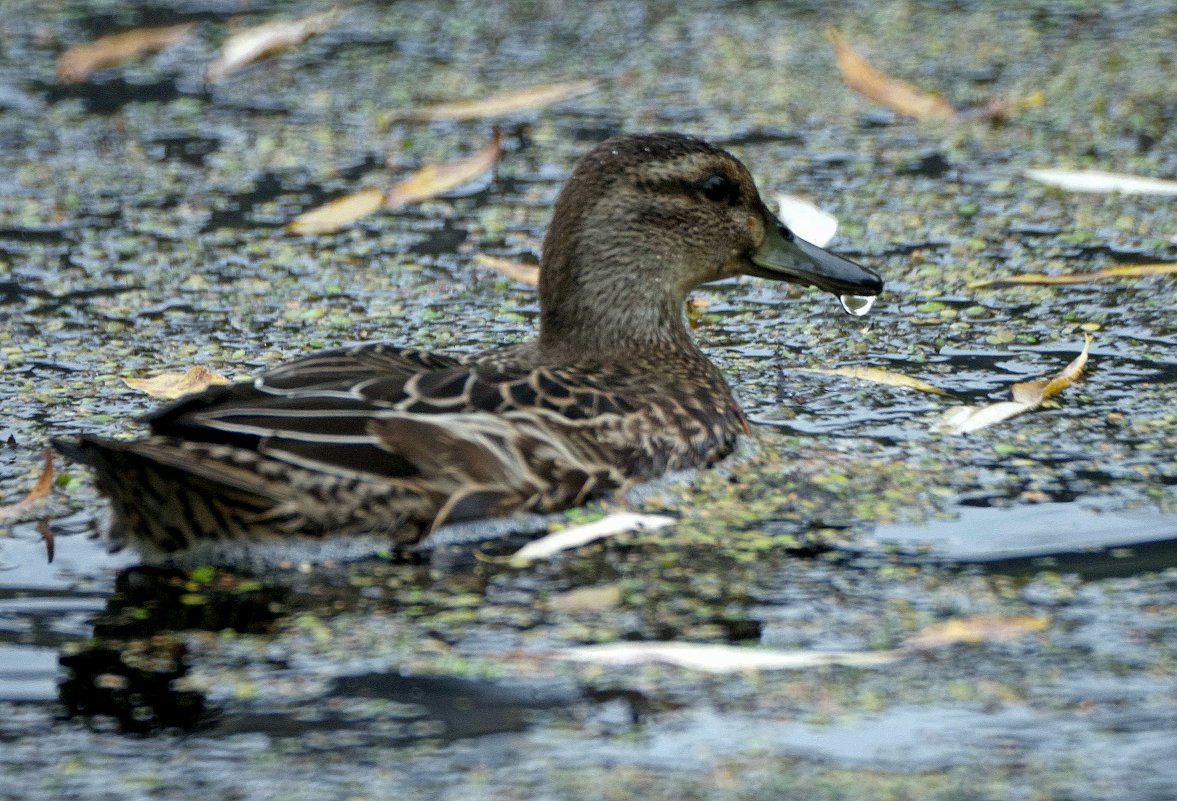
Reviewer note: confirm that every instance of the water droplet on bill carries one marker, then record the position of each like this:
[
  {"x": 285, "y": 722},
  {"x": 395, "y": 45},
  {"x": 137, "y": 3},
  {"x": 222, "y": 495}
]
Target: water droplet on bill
[{"x": 858, "y": 305}]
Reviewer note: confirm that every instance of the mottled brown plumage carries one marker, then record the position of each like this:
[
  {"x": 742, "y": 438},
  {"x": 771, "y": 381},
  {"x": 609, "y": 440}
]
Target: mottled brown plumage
[{"x": 380, "y": 440}]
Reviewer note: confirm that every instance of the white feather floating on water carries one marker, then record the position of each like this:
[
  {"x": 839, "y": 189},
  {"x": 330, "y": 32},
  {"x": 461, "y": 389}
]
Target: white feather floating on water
[
  {"x": 575, "y": 536},
  {"x": 806, "y": 220}
]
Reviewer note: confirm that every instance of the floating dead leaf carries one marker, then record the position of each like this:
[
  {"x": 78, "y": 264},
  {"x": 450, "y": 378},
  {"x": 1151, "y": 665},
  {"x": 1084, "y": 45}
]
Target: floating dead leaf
[
  {"x": 1028, "y": 395},
  {"x": 40, "y": 490},
  {"x": 80, "y": 61},
  {"x": 584, "y": 600},
  {"x": 502, "y": 103},
  {"x": 262, "y": 41},
  {"x": 899, "y": 96},
  {"x": 806, "y": 220},
  {"x": 974, "y": 630},
  {"x": 170, "y": 386},
  {"x": 1120, "y": 271},
  {"x": 1035, "y": 392},
  {"x": 428, "y": 182},
  {"x": 967, "y": 419},
  {"x": 46, "y": 532},
  {"x": 335, "y": 214},
  {"x": 719, "y": 658},
  {"x": 878, "y": 376},
  {"x": 1003, "y": 108},
  {"x": 437, "y": 179},
  {"x": 576, "y": 536},
  {"x": 1100, "y": 181},
  {"x": 515, "y": 270}
]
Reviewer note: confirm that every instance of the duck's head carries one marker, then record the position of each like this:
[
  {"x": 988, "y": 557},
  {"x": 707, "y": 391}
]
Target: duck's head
[{"x": 646, "y": 218}]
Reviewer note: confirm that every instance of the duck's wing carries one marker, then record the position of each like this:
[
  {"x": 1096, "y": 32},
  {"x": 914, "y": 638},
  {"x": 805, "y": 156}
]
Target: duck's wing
[
  {"x": 343, "y": 367},
  {"x": 336, "y": 411}
]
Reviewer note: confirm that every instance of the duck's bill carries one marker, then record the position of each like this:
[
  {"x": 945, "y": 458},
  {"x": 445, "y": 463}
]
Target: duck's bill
[{"x": 786, "y": 257}]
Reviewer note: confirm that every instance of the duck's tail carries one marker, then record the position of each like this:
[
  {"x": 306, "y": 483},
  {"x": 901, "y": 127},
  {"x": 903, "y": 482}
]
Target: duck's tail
[{"x": 168, "y": 495}]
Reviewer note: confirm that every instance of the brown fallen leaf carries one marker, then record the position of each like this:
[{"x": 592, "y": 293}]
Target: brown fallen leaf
[
  {"x": 586, "y": 600},
  {"x": 40, "y": 490},
  {"x": 719, "y": 658},
  {"x": 1100, "y": 181},
  {"x": 335, "y": 214},
  {"x": 1120, "y": 271},
  {"x": 515, "y": 270},
  {"x": 1035, "y": 392},
  {"x": 437, "y": 179},
  {"x": 1005, "y": 107},
  {"x": 46, "y": 533},
  {"x": 262, "y": 41},
  {"x": 696, "y": 307},
  {"x": 878, "y": 376},
  {"x": 80, "y": 61},
  {"x": 428, "y": 182},
  {"x": 170, "y": 386},
  {"x": 899, "y": 96},
  {"x": 974, "y": 630},
  {"x": 500, "y": 104},
  {"x": 1028, "y": 395}
]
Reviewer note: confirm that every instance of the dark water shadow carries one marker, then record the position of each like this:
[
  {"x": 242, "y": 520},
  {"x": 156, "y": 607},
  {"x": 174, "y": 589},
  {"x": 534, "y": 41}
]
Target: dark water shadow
[{"x": 414, "y": 708}]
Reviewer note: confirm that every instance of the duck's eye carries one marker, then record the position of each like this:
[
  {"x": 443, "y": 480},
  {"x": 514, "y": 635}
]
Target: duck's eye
[{"x": 720, "y": 189}]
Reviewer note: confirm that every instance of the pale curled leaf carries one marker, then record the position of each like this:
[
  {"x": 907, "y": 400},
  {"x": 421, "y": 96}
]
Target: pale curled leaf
[
  {"x": 899, "y": 96},
  {"x": 335, "y": 214},
  {"x": 40, "y": 490},
  {"x": 1028, "y": 395},
  {"x": 437, "y": 179},
  {"x": 1035, "y": 392},
  {"x": 576, "y": 536},
  {"x": 502, "y": 103},
  {"x": 261, "y": 41},
  {"x": 80, "y": 61},
  {"x": 1100, "y": 181},
  {"x": 878, "y": 376},
  {"x": 967, "y": 419},
  {"x": 974, "y": 630},
  {"x": 1108, "y": 273},
  {"x": 169, "y": 386},
  {"x": 719, "y": 658},
  {"x": 515, "y": 270},
  {"x": 806, "y": 220}
]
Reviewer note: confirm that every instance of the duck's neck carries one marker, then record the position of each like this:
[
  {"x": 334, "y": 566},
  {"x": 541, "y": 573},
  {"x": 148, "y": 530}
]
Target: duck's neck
[
  {"x": 612, "y": 330},
  {"x": 609, "y": 317}
]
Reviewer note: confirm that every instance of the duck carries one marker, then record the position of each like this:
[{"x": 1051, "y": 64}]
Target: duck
[{"x": 393, "y": 442}]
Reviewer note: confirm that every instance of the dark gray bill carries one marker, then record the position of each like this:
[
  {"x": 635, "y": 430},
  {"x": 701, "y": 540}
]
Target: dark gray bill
[{"x": 784, "y": 256}]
